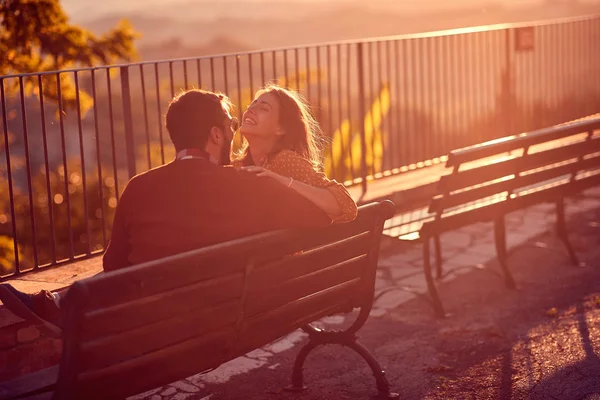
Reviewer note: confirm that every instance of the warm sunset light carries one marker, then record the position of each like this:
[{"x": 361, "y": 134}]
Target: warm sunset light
[{"x": 196, "y": 194}]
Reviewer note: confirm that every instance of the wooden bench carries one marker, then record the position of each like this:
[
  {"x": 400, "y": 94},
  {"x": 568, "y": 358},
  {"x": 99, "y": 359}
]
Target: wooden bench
[
  {"x": 142, "y": 327},
  {"x": 492, "y": 179}
]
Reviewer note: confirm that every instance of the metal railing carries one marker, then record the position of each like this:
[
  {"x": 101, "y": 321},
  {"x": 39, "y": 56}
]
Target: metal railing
[{"x": 73, "y": 138}]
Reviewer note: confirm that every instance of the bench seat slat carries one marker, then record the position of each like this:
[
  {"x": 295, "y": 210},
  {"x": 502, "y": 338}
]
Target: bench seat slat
[
  {"x": 168, "y": 332},
  {"x": 158, "y": 368},
  {"x": 147, "y": 310},
  {"x": 263, "y": 299}
]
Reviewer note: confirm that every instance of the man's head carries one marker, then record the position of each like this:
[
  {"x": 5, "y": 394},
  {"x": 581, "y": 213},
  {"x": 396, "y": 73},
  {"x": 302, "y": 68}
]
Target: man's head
[{"x": 199, "y": 119}]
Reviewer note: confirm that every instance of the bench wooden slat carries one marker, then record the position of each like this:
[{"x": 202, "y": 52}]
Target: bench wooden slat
[
  {"x": 30, "y": 385},
  {"x": 164, "y": 334},
  {"x": 176, "y": 272},
  {"x": 260, "y": 301},
  {"x": 500, "y": 169},
  {"x": 492, "y": 211},
  {"x": 442, "y": 203},
  {"x": 158, "y": 368},
  {"x": 147, "y": 310},
  {"x": 510, "y": 143},
  {"x": 267, "y": 327},
  {"x": 271, "y": 275}
]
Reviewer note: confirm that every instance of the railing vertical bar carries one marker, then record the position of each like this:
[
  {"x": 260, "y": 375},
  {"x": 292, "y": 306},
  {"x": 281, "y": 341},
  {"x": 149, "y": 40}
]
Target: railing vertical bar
[
  {"x": 531, "y": 98},
  {"x": 440, "y": 61},
  {"x": 212, "y": 73},
  {"x": 372, "y": 96},
  {"x": 128, "y": 121},
  {"x": 158, "y": 114},
  {"x": 308, "y": 91},
  {"x": 83, "y": 170},
  {"x": 400, "y": 97},
  {"x": 199, "y": 73},
  {"x": 28, "y": 171},
  {"x": 65, "y": 169},
  {"x": 339, "y": 101},
  {"x": 577, "y": 71},
  {"x": 112, "y": 132},
  {"x": 431, "y": 93},
  {"x": 171, "y": 79},
  {"x": 285, "y": 68},
  {"x": 251, "y": 76},
  {"x": 353, "y": 168},
  {"x": 452, "y": 92},
  {"x": 468, "y": 85},
  {"x": 297, "y": 67},
  {"x": 262, "y": 71},
  {"x": 378, "y": 130},
  {"x": 225, "y": 75},
  {"x": 414, "y": 135},
  {"x": 47, "y": 171},
  {"x": 389, "y": 159},
  {"x": 462, "y": 90},
  {"x": 330, "y": 105},
  {"x": 274, "y": 62},
  {"x": 239, "y": 85},
  {"x": 409, "y": 82},
  {"x": 185, "y": 74},
  {"x": 99, "y": 162},
  {"x": 146, "y": 123},
  {"x": 319, "y": 92},
  {"x": 361, "y": 113},
  {"x": 13, "y": 215}
]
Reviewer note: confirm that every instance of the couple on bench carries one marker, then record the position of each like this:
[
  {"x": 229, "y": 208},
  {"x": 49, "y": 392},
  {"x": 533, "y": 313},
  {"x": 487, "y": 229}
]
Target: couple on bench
[{"x": 208, "y": 195}]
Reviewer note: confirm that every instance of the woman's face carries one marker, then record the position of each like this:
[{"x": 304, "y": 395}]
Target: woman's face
[{"x": 262, "y": 117}]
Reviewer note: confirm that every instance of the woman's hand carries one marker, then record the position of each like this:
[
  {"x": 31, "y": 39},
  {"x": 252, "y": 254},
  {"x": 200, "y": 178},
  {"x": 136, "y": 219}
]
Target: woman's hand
[{"x": 260, "y": 171}]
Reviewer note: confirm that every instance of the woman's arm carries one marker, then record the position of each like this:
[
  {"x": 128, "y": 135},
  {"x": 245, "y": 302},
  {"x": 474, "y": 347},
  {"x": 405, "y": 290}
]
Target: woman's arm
[
  {"x": 291, "y": 169},
  {"x": 320, "y": 196}
]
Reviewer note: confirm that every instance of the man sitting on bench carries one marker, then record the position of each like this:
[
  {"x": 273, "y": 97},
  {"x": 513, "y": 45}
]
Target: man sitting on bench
[{"x": 192, "y": 202}]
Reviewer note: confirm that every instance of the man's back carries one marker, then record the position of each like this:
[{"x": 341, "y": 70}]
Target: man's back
[{"x": 192, "y": 203}]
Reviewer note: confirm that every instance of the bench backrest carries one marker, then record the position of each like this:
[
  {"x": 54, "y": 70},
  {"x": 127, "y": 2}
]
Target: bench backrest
[
  {"x": 131, "y": 330},
  {"x": 561, "y": 158}
]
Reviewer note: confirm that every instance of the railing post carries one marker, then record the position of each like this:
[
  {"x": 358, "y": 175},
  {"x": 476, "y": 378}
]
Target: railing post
[
  {"x": 128, "y": 120},
  {"x": 361, "y": 113}
]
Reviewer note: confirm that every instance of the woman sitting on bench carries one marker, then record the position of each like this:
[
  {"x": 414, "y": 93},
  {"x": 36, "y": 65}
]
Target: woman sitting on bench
[{"x": 282, "y": 143}]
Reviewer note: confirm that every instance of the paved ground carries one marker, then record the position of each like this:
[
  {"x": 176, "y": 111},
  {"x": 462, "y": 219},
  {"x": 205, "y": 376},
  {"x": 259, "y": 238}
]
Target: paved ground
[{"x": 541, "y": 341}]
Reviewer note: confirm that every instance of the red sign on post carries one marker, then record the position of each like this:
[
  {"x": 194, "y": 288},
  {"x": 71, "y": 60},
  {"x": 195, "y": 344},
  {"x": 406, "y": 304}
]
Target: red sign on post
[{"x": 524, "y": 39}]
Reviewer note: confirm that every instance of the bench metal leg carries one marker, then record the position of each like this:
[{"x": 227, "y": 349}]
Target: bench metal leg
[
  {"x": 433, "y": 294},
  {"x": 561, "y": 230},
  {"x": 438, "y": 257},
  {"x": 500, "y": 239},
  {"x": 345, "y": 338}
]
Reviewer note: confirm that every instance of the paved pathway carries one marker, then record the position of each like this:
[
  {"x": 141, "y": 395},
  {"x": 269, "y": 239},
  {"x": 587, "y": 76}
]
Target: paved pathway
[{"x": 400, "y": 280}]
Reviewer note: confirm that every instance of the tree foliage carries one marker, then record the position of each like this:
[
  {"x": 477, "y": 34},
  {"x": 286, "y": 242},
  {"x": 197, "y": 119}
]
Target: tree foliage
[{"x": 36, "y": 36}]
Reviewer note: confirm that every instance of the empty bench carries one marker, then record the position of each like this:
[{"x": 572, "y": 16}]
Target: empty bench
[
  {"x": 492, "y": 179},
  {"x": 145, "y": 326}
]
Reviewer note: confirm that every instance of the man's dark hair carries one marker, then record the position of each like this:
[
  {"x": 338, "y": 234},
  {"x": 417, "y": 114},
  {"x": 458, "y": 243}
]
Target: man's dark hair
[{"x": 191, "y": 115}]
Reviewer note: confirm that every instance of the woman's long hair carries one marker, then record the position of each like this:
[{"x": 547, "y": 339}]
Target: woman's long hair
[{"x": 302, "y": 131}]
